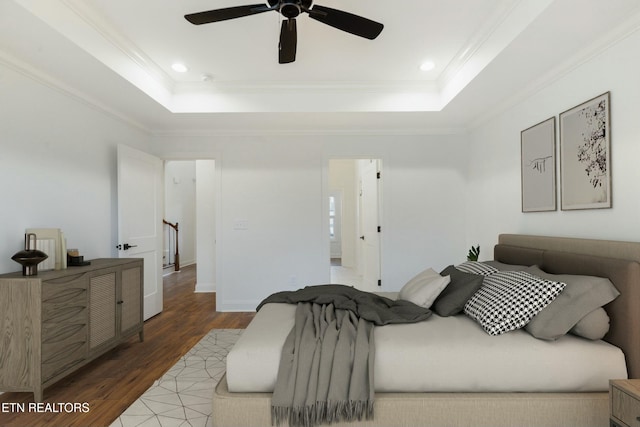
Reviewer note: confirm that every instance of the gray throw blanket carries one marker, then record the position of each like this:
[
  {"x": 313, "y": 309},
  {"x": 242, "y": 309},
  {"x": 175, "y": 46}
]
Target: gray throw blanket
[{"x": 326, "y": 367}]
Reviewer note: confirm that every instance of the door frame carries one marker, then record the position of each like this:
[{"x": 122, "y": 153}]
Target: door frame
[
  {"x": 326, "y": 241},
  {"x": 217, "y": 158}
]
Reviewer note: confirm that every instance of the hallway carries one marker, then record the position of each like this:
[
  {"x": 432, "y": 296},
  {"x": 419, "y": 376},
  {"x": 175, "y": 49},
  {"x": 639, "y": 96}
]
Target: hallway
[{"x": 345, "y": 276}]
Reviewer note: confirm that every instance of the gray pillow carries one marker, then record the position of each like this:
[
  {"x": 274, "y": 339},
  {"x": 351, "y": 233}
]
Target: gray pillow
[
  {"x": 461, "y": 287},
  {"x": 581, "y": 296},
  {"x": 593, "y": 326}
]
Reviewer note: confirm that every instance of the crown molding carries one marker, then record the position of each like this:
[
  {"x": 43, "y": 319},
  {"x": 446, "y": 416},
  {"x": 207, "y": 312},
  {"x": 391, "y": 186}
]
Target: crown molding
[
  {"x": 475, "y": 42},
  {"x": 90, "y": 31},
  {"x": 314, "y": 87},
  {"x": 621, "y": 32},
  {"x": 208, "y": 133},
  {"x": 510, "y": 22},
  {"x": 129, "y": 49},
  {"x": 27, "y": 70}
]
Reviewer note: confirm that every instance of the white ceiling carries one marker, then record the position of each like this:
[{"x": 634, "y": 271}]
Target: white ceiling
[{"x": 117, "y": 54}]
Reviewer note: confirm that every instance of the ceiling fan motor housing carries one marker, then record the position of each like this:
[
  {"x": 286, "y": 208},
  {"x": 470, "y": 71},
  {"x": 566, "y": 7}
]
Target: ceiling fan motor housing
[{"x": 290, "y": 8}]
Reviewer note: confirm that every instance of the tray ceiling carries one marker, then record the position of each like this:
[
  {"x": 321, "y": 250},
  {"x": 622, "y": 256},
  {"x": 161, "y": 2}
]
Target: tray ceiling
[{"x": 120, "y": 53}]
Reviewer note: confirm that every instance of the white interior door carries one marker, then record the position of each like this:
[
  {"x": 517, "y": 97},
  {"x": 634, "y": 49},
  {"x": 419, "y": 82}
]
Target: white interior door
[
  {"x": 370, "y": 221},
  {"x": 140, "y": 212}
]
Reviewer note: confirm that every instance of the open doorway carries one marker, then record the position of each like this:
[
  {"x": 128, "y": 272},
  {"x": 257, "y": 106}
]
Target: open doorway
[
  {"x": 190, "y": 205},
  {"x": 355, "y": 222}
]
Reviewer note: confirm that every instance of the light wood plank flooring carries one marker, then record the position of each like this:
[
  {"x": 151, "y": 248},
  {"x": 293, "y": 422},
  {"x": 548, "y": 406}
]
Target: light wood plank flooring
[{"x": 114, "y": 381}]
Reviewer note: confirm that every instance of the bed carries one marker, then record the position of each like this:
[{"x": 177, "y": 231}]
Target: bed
[{"x": 585, "y": 403}]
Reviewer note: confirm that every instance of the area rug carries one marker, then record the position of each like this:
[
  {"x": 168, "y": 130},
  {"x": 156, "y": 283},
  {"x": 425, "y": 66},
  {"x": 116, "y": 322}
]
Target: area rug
[{"x": 183, "y": 396}]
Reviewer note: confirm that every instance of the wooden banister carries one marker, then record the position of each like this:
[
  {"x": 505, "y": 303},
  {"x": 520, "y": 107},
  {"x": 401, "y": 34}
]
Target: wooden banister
[{"x": 177, "y": 254}]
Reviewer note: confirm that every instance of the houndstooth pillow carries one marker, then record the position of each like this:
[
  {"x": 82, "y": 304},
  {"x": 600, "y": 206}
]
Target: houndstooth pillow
[
  {"x": 508, "y": 300},
  {"x": 475, "y": 267}
]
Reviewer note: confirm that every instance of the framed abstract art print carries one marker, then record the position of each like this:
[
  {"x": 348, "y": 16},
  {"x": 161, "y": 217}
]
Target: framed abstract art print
[
  {"x": 585, "y": 155},
  {"x": 538, "y": 166}
]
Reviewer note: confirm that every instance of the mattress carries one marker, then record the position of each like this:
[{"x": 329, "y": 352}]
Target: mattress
[{"x": 441, "y": 354}]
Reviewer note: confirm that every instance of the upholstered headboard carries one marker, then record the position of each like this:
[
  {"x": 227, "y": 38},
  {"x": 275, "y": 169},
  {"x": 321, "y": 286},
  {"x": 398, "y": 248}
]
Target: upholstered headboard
[{"x": 618, "y": 261}]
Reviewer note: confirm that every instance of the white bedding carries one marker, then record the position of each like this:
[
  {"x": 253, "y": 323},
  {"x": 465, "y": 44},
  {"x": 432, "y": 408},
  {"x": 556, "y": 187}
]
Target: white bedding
[{"x": 441, "y": 354}]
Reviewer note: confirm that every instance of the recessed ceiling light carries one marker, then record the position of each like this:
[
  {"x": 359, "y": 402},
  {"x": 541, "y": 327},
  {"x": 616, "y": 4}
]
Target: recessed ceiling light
[
  {"x": 180, "y": 68},
  {"x": 427, "y": 66}
]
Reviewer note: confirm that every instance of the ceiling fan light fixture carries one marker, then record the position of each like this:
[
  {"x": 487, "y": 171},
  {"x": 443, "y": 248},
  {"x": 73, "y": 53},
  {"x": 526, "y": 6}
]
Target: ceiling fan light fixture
[{"x": 179, "y": 67}]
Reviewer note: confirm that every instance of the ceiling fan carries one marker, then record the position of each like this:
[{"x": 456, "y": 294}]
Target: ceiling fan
[{"x": 290, "y": 9}]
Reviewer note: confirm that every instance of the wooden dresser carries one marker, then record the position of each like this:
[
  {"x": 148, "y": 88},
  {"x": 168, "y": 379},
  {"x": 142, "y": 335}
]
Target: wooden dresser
[{"x": 54, "y": 323}]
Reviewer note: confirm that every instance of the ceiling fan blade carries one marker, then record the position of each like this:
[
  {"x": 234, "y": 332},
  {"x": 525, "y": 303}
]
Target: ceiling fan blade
[
  {"x": 345, "y": 21},
  {"x": 288, "y": 41},
  {"x": 218, "y": 15}
]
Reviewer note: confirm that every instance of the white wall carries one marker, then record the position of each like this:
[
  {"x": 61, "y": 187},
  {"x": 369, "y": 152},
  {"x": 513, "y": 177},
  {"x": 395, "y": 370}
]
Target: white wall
[
  {"x": 206, "y": 225},
  {"x": 57, "y": 167},
  {"x": 273, "y": 230},
  {"x": 180, "y": 207},
  {"x": 494, "y": 193}
]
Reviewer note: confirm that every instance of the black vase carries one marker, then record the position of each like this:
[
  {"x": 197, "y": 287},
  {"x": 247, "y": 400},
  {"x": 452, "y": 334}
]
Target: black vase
[{"x": 30, "y": 257}]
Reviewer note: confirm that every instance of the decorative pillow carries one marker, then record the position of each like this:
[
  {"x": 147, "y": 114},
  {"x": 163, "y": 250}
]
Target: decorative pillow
[
  {"x": 593, "y": 326},
  {"x": 508, "y": 300},
  {"x": 581, "y": 296},
  {"x": 461, "y": 287},
  {"x": 475, "y": 267},
  {"x": 423, "y": 289},
  {"x": 501, "y": 266}
]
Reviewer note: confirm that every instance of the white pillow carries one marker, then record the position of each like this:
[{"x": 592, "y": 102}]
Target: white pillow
[{"x": 424, "y": 288}]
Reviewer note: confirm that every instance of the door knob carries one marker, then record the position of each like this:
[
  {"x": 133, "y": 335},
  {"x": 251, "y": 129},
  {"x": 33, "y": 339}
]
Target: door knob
[
  {"x": 126, "y": 246},
  {"x": 361, "y": 237}
]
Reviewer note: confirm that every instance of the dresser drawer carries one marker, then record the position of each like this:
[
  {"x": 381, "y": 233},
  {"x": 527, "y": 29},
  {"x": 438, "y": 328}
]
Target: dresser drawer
[
  {"x": 52, "y": 288},
  {"x": 57, "y": 337},
  {"x": 64, "y": 299},
  {"x": 68, "y": 312},
  {"x": 62, "y": 358},
  {"x": 625, "y": 407}
]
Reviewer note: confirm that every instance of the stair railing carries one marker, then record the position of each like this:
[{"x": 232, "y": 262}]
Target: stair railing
[{"x": 176, "y": 259}]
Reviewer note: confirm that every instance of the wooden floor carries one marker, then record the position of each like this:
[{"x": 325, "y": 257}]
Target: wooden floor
[{"x": 111, "y": 383}]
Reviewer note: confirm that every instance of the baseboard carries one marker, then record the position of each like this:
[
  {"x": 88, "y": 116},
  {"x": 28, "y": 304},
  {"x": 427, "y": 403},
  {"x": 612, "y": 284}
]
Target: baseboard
[{"x": 205, "y": 287}]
